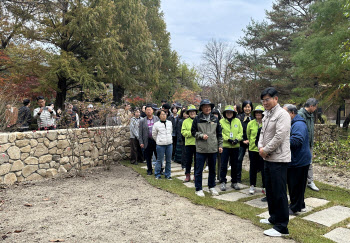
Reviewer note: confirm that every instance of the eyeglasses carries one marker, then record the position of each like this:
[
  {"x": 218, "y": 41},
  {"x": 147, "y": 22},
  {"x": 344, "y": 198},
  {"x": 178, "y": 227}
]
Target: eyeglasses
[{"x": 266, "y": 100}]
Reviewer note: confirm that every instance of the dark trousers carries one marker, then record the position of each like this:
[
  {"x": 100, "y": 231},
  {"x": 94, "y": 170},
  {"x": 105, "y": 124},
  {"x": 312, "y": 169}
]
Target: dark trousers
[
  {"x": 297, "y": 179},
  {"x": 183, "y": 156},
  {"x": 190, "y": 155},
  {"x": 198, "y": 172},
  {"x": 256, "y": 165},
  {"x": 135, "y": 151},
  {"x": 232, "y": 154},
  {"x": 276, "y": 194},
  {"x": 174, "y": 147},
  {"x": 242, "y": 151},
  {"x": 151, "y": 148}
]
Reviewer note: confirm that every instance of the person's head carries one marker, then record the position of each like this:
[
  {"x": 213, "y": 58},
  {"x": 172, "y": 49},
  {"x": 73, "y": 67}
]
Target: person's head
[
  {"x": 291, "y": 109},
  {"x": 41, "y": 101},
  {"x": 162, "y": 115},
  {"x": 311, "y": 105},
  {"x": 238, "y": 108},
  {"x": 127, "y": 106},
  {"x": 258, "y": 112},
  {"x": 191, "y": 111},
  {"x": 269, "y": 98},
  {"x": 90, "y": 107},
  {"x": 149, "y": 110},
  {"x": 183, "y": 113},
  {"x": 69, "y": 107},
  {"x": 26, "y": 102},
  {"x": 229, "y": 112},
  {"x": 137, "y": 113},
  {"x": 8, "y": 106},
  {"x": 216, "y": 113},
  {"x": 206, "y": 106},
  {"x": 174, "y": 110},
  {"x": 247, "y": 106},
  {"x": 166, "y": 108},
  {"x": 164, "y": 101}
]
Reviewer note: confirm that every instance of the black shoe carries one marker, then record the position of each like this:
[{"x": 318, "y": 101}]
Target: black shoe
[
  {"x": 264, "y": 199},
  {"x": 149, "y": 172},
  {"x": 169, "y": 178}
]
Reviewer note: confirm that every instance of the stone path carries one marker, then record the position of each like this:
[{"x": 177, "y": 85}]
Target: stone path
[{"x": 326, "y": 217}]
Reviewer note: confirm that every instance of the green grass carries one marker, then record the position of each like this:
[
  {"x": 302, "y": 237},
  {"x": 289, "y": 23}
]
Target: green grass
[{"x": 300, "y": 230}]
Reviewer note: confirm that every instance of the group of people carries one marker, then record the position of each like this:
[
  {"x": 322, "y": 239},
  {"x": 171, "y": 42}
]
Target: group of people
[
  {"x": 279, "y": 142},
  {"x": 47, "y": 118}
]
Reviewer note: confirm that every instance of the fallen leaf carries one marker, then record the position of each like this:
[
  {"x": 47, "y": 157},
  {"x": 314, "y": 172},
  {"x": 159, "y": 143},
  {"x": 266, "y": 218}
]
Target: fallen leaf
[
  {"x": 57, "y": 240},
  {"x": 46, "y": 199},
  {"x": 28, "y": 205},
  {"x": 17, "y": 231},
  {"x": 4, "y": 237}
]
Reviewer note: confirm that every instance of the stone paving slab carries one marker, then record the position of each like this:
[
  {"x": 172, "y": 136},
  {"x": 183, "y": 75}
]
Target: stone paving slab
[
  {"x": 329, "y": 216},
  {"x": 144, "y": 167},
  {"x": 339, "y": 235},
  {"x": 232, "y": 197},
  {"x": 315, "y": 202},
  {"x": 189, "y": 184},
  {"x": 348, "y": 226},
  {"x": 257, "y": 203},
  {"x": 266, "y": 215},
  {"x": 178, "y": 173}
]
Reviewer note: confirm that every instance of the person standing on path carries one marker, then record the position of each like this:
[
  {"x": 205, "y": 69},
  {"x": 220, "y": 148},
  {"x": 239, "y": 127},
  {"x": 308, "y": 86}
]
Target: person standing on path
[
  {"x": 207, "y": 130},
  {"x": 190, "y": 141},
  {"x": 174, "y": 118},
  {"x": 232, "y": 133},
  {"x": 256, "y": 162},
  {"x": 307, "y": 113},
  {"x": 245, "y": 118},
  {"x": 24, "y": 116},
  {"x": 145, "y": 136},
  {"x": 274, "y": 148},
  {"x": 135, "y": 152},
  {"x": 162, "y": 134},
  {"x": 44, "y": 115},
  {"x": 301, "y": 159}
]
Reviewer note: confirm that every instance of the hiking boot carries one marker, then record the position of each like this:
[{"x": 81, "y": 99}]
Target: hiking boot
[
  {"x": 200, "y": 193},
  {"x": 213, "y": 191},
  {"x": 188, "y": 178},
  {"x": 235, "y": 186},
  {"x": 252, "y": 190},
  {"x": 312, "y": 186},
  {"x": 223, "y": 186}
]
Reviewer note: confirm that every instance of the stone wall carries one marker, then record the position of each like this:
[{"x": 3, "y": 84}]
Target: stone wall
[
  {"x": 326, "y": 133},
  {"x": 42, "y": 154}
]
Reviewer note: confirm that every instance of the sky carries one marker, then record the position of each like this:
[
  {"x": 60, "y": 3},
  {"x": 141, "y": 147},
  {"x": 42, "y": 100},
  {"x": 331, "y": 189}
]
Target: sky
[{"x": 193, "y": 23}]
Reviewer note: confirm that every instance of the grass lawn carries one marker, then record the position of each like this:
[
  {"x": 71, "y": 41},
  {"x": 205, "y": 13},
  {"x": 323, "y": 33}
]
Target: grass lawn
[{"x": 300, "y": 230}]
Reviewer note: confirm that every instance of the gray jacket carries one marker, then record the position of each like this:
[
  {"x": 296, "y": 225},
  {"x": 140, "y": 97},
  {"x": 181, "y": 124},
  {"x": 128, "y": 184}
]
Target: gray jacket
[
  {"x": 143, "y": 130},
  {"x": 310, "y": 122},
  {"x": 275, "y": 135}
]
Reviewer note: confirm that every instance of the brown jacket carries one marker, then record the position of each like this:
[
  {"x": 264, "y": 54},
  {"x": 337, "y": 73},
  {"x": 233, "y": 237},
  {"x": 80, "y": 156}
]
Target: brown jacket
[{"x": 275, "y": 135}]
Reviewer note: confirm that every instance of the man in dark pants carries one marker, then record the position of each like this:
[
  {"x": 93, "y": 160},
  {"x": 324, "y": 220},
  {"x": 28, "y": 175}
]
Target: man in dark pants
[
  {"x": 274, "y": 148},
  {"x": 145, "y": 136}
]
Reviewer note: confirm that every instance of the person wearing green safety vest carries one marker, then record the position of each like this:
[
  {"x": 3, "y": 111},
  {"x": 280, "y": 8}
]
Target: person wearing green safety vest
[
  {"x": 190, "y": 141},
  {"x": 256, "y": 162},
  {"x": 232, "y": 134}
]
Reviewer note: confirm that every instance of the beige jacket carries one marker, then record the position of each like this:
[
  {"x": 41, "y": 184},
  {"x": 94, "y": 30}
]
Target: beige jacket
[{"x": 275, "y": 133}]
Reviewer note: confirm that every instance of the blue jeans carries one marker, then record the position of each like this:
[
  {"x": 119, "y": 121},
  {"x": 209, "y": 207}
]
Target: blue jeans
[
  {"x": 200, "y": 161},
  {"x": 161, "y": 151},
  {"x": 232, "y": 154}
]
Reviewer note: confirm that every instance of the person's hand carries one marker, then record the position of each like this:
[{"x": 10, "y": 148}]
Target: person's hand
[
  {"x": 220, "y": 150},
  {"x": 262, "y": 153},
  {"x": 234, "y": 142},
  {"x": 246, "y": 142},
  {"x": 41, "y": 109},
  {"x": 142, "y": 145},
  {"x": 49, "y": 109},
  {"x": 205, "y": 136},
  {"x": 230, "y": 141}
]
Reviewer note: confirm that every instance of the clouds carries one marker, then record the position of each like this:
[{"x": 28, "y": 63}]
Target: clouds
[{"x": 192, "y": 23}]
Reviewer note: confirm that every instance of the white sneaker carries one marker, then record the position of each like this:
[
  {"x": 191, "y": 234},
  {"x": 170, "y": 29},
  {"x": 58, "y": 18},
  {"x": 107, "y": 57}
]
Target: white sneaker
[
  {"x": 213, "y": 191},
  {"x": 312, "y": 186},
  {"x": 229, "y": 168},
  {"x": 265, "y": 221},
  {"x": 206, "y": 168},
  {"x": 200, "y": 193},
  {"x": 303, "y": 210},
  {"x": 252, "y": 190},
  {"x": 274, "y": 233}
]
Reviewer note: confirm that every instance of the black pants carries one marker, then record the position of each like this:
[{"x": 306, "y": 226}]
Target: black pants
[
  {"x": 297, "y": 179},
  {"x": 174, "y": 148},
  {"x": 190, "y": 154},
  {"x": 151, "y": 148},
  {"x": 276, "y": 194},
  {"x": 135, "y": 151},
  {"x": 242, "y": 149},
  {"x": 256, "y": 165},
  {"x": 232, "y": 154}
]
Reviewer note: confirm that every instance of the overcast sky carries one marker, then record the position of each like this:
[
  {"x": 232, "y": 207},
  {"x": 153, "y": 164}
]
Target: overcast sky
[{"x": 192, "y": 23}]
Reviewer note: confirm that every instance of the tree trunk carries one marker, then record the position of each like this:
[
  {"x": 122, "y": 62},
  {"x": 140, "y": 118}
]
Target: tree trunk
[
  {"x": 61, "y": 93},
  {"x": 118, "y": 93}
]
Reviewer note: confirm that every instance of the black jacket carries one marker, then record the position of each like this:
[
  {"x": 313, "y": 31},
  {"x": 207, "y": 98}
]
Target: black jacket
[
  {"x": 244, "y": 125},
  {"x": 24, "y": 117}
]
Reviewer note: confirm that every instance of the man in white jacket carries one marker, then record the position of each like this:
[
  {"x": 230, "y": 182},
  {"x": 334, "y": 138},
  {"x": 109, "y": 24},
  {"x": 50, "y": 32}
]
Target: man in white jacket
[
  {"x": 44, "y": 115},
  {"x": 274, "y": 148}
]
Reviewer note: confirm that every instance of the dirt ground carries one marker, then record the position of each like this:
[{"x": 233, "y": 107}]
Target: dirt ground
[{"x": 114, "y": 206}]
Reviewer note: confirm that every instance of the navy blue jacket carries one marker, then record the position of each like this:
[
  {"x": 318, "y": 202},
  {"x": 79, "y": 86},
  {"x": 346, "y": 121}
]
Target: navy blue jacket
[{"x": 299, "y": 143}]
